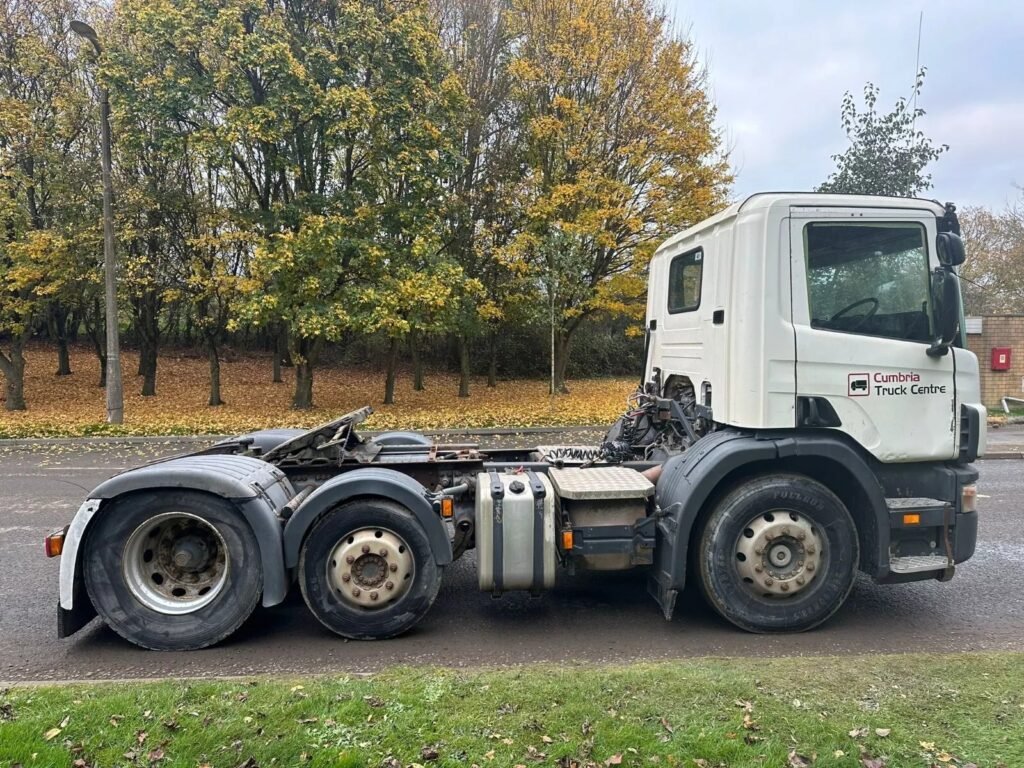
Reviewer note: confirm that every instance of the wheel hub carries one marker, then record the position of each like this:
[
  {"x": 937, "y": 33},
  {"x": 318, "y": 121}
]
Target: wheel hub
[
  {"x": 779, "y": 554},
  {"x": 175, "y": 563},
  {"x": 370, "y": 568}
]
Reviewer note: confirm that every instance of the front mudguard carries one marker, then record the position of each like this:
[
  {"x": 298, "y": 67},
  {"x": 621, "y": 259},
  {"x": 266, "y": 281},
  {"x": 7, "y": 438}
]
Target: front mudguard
[{"x": 690, "y": 480}]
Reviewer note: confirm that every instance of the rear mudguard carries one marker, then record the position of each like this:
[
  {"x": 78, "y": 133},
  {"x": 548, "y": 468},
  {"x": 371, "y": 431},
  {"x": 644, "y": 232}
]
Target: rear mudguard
[
  {"x": 402, "y": 438},
  {"x": 257, "y": 489},
  {"x": 371, "y": 481},
  {"x": 689, "y": 480}
]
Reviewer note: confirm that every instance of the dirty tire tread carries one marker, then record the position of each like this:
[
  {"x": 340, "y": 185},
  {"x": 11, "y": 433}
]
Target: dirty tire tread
[
  {"x": 102, "y": 570},
  {"x": 350, "y": 622},
  {"x": 720, "y": 581}
]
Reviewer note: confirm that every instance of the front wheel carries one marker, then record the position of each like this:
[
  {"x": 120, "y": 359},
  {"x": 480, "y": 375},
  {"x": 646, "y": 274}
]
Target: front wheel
[
  {"x": 367, "y": 571},
  {"x": 779, "y": 553}
]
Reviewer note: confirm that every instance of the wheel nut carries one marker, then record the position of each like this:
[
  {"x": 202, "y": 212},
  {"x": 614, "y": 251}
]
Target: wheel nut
[
  {"x": 366, "y": 549},
  {"x": 801, "y": 536},
  {"x": 383, "y": 551},
  {"x": 393, "y": 567},
  {"x": 785, "y": 531},
  {"x": 769, "y": 536},
  {"x": 374, "y": 595},
  {"x": 759, "y": 550},
  {"x": 346, "y": 577},
  {"x": 800, "y": 580},
  {"x": 810, "y": 566},
  {"x": 390, "y": 585},
  {"x": 784, "y": 587},
  {"x": 758, "y": 569},
  {"x": 356, "y": 592},
  {"x": 349, "y": 559},
  {"x": 768, "y": 582},
  {"x": 810, "y": 550}
]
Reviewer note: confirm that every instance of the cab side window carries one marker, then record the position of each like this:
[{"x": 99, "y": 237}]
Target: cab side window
[
  {"x": 684, "y": 279},
  {"x": 869, "y": 278}
]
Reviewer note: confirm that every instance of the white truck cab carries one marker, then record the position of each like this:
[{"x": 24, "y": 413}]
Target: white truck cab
[{"x": 811, "y": 310}]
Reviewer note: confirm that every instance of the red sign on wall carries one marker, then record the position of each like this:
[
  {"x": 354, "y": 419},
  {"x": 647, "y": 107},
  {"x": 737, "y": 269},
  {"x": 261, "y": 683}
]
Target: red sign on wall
[{"x": 1001, "y": 358}]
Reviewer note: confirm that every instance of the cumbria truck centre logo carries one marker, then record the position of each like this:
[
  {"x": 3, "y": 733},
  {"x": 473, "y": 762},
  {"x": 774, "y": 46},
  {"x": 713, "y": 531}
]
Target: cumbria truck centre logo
[{"x": 890, "y": 384}]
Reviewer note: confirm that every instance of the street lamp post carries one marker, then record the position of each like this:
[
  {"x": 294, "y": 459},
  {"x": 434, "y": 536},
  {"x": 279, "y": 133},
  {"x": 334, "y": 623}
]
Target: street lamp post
[{"x": 115, "y": 393}]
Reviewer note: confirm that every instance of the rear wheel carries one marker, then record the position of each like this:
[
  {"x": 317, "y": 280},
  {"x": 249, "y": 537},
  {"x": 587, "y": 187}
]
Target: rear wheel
[
  {"x": 172, "y": 570},
  {"x": 778, "y": 554},
  {"x": 367, "y": 571}
]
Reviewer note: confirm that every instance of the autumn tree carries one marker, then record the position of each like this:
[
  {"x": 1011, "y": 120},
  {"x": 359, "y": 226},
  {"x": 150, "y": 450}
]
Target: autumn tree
[
  {"x": 329, "y": 112},
  {"x": 620, "y": 150},
  {"x": 993, "y": 274},
  {"x": 42, "y": 117},
  {"x": 414, "y": 299},
  {"x": 215, "y": 251},
  {"x": 480, "y": 212},
  {"x": 888, "y": 154}
]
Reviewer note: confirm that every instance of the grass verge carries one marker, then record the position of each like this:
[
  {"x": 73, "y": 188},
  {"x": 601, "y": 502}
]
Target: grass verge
[{"x": 912, "y": 710}]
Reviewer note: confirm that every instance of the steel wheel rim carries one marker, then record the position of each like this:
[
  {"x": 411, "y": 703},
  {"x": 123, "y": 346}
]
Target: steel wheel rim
[
  {"x": 370, "y": 568},
  {"x": 175, "y": 563},
  {"x": 779, "y": 554}
]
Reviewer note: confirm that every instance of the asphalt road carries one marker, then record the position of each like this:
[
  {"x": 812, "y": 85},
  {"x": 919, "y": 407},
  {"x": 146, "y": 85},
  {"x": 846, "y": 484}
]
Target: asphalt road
[{"x": 604, "y": 618}]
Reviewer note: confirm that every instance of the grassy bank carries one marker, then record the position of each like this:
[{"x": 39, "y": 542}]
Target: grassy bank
[
  {"x": 73, "y": 406},
  {"x": 913, "y": 710}
]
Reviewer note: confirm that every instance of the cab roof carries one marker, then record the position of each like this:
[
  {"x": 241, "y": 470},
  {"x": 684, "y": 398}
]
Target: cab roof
[{"x": 762, "y": 200}]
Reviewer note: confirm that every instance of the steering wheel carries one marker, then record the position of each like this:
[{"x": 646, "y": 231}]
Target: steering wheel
[{"x": 849, "y": 307}]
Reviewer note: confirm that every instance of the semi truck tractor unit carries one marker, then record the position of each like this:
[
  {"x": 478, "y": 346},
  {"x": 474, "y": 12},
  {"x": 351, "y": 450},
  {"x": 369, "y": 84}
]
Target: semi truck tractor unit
[{"x": 807, "y": 409}]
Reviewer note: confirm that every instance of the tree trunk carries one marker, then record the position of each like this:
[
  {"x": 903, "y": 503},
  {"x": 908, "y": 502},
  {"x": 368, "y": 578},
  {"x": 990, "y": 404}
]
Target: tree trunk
[
  {"x": 147, "y": 321},
  {"x": 389, "y": 382},
  {"x": 563, "y": 338},
  {"x": 101, "y": 355},
  {"x": 280, "y": 350},
  {"x": 286, "y": 352},
  {"x": 277, "y": 378},
  {"x": 57, "y": 325},
  {"x": 74, "y": 324},
  {"x": 148, "y": 365},
  {"x": 417, "y": 363},
  {"x": 94, "y": 329},
  {"x": 304, "y": 357},
  {"x": 492, "y": 364},
  {"x": 215, "y": 398},
  {"x": 303, "y": 399},
  {"x": 463, "y": 366},
  {"x": 13, "y": 369}
]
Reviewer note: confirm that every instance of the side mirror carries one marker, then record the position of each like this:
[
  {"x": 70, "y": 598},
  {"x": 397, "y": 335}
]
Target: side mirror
[
  {"x": 947, "y": 296},
  {"x": 950, "y": 249}
]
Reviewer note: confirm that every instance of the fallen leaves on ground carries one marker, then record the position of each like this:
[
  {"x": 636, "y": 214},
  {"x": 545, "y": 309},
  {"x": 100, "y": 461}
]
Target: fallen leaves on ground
[{"x": 74, "y": 406}]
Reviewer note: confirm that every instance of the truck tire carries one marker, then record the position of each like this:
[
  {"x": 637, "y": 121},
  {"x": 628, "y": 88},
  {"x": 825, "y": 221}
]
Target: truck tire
[
  {"x": 367, "y": 571},
  {"x": 779, "y": 553},
  {"x": 172, "y": 570}
]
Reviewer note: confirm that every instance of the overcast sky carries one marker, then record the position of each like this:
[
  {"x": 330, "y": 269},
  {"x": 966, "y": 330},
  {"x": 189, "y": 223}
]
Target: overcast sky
[{"x": 778, "y": 71}]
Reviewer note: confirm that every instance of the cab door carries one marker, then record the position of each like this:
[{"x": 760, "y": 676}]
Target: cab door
[{"x": 864, "y": 319}]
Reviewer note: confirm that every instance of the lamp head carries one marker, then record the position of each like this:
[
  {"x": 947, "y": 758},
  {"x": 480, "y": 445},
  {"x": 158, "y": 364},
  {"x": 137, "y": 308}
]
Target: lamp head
[{"x": 82, "y": 29}]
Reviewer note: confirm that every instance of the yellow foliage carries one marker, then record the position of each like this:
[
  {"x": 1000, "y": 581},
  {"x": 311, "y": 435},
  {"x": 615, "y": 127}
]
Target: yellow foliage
[{"x": 74, "y": 405}]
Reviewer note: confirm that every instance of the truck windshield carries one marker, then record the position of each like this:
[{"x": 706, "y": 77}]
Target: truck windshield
[{"x": 869, "y": 278}]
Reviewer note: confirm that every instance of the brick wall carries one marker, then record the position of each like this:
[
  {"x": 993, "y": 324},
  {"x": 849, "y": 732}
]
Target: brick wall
[{"x": 999, "y": 331}]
